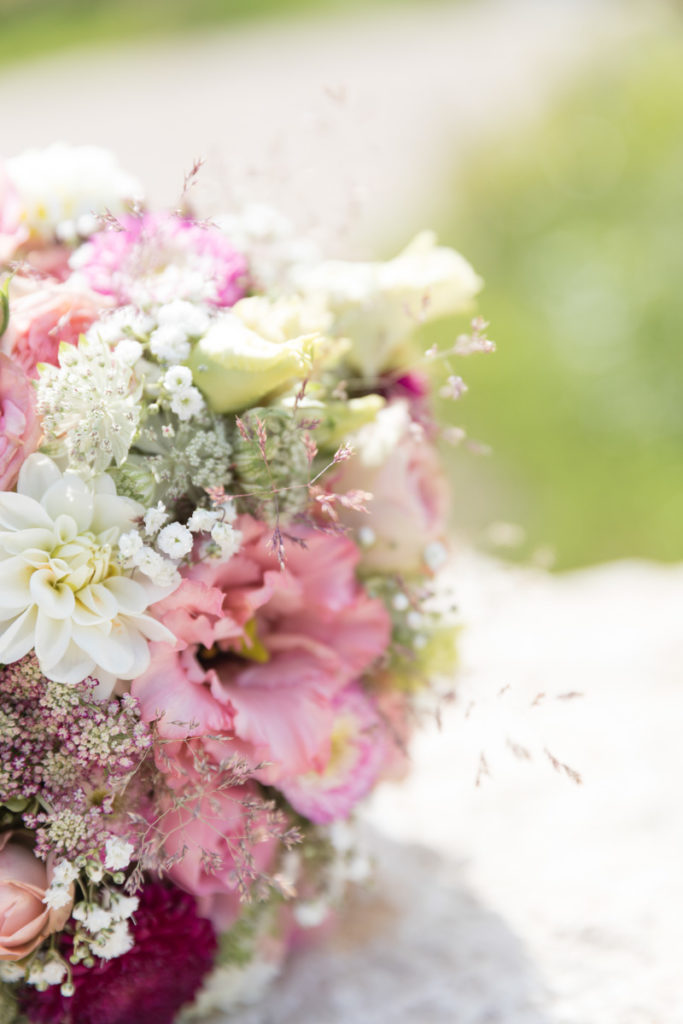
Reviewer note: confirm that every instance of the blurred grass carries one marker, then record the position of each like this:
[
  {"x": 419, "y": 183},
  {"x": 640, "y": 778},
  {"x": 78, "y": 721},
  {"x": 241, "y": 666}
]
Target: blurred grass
[
  {"x": 577, "y": 226},
  {"x": 34, "y": 28}
]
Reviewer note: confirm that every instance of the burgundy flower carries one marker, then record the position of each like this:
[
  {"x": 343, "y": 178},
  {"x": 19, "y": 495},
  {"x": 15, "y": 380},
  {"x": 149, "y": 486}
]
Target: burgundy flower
[{"x": 174, "y": 949}]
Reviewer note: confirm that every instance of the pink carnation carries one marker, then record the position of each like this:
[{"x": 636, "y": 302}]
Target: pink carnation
[
  {"x": 130, "y": 264},
  {"x": 40, "y": 319},
  {"x": 263, "y": 652},
  {"x": 359, "y": 750},
  {"x": 20, "y": 430}
]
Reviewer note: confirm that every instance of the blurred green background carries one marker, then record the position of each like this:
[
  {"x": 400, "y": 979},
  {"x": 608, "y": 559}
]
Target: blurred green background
[
  {"x": 32, "y": 28},
  {"x": 575, "y": 221},
  {"x": 576, "y": 224}
]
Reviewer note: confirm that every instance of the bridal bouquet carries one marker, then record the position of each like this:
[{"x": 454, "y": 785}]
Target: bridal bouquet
[{"x": 221, "y": 512}]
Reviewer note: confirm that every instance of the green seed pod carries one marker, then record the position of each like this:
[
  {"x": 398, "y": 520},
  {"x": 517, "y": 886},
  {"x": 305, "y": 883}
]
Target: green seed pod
[{"x": 270, "y": 463}]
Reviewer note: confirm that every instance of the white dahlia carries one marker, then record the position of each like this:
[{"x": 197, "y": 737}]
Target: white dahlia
[{"x": 62, "y": 589}]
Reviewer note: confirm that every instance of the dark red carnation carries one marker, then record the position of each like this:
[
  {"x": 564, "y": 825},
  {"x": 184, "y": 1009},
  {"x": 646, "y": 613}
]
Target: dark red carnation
[{"x": 174, "y": 949}]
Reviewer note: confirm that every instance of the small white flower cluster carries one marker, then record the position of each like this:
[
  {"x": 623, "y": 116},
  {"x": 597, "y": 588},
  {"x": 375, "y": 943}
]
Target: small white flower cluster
[
  {"x": 168, "y": 543},
  {"x": 103, "y": 921},
  {"x": 108, "y": 933},
  {"x": 172, "y": 542},
  {"x": 183, "y": 398},
  {"x": 218, "y": 523},
  {"x": 60, "y": 892},
  {"x": 178, "y": 322}
]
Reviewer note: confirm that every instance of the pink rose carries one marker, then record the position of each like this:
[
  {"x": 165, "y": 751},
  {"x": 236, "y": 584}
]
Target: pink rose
[
  {"x": 263, "y": 652},
  {"x": 25, "y": 921},
  {"x": 19, "y": 426},
  {"x": 40, "y": 319},
  {"x": 409, "y": 505}
]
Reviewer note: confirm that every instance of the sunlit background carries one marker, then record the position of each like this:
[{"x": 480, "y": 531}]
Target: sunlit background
[{"x": 544, "y": 140}]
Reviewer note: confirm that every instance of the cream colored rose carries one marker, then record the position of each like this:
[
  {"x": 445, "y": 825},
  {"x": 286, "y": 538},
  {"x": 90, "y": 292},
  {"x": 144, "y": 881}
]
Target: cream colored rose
[
  {"x": 235, "y": 367},
  {"x": 378, "y": 306}
]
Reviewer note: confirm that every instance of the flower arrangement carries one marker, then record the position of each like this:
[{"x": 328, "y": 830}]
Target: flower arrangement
[{"x": 221, "y": 512}]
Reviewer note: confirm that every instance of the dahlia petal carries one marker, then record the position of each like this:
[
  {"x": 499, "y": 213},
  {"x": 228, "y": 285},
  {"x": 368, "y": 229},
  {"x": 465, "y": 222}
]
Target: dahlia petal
[
  {"x": 70, "y": 496},
  {"x": 130, "y": 596},
  {"x": 52, "y": 639},
  {"x": 16, "y": 639},
  {"x": 41, "y": 540},
  {"x": 15, "y": 592},
  {"x": 54, "y": 599},
  {"x": 107, "y": 648},
  {"x": 112, "y": 510},
  {"x": 37, "y": 474},
  {"x": 73, "y": 667},
  {"x": 19, "y": 512}
]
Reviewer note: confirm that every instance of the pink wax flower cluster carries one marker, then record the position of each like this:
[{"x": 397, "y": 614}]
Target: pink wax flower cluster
[{"x": 222, "y": 511}]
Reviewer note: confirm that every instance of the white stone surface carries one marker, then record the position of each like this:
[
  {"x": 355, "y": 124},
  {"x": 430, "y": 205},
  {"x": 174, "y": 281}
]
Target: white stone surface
[{"x": 528, "y": 899}]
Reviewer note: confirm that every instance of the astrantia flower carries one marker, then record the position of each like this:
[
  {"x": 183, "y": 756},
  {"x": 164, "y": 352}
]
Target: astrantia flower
[
  {"x": 62, "y": 591},
  {"x": 90, "y": 404},
  {"x": 173, "y": 949}
]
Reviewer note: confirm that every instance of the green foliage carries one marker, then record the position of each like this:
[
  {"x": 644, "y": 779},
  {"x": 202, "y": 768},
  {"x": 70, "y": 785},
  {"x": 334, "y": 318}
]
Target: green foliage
[{"x": 576, "y": 226}]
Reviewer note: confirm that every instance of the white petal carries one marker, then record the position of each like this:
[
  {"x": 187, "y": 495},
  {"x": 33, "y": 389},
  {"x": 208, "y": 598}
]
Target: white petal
[
  {"x": 17, "y": 543},
  {"x": 17, "y": 512},
  {"x": 52, "y": 639},
  {"x": 37, "y": 474},
  {"x": 17, "y": 638},
  {"x": 99, "y": 602},
  {"x": 153, "y": 629},
  {"x": 15, "y": 590},
  {"x": 113, "y": 510},
  {"x": 131, "y": 597},
  {"x": 107, "y": 647},
  {"x": 70, "y": 496},
  {"x": 55, "y": 599},
  {"x": 74, "y": 667}
]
